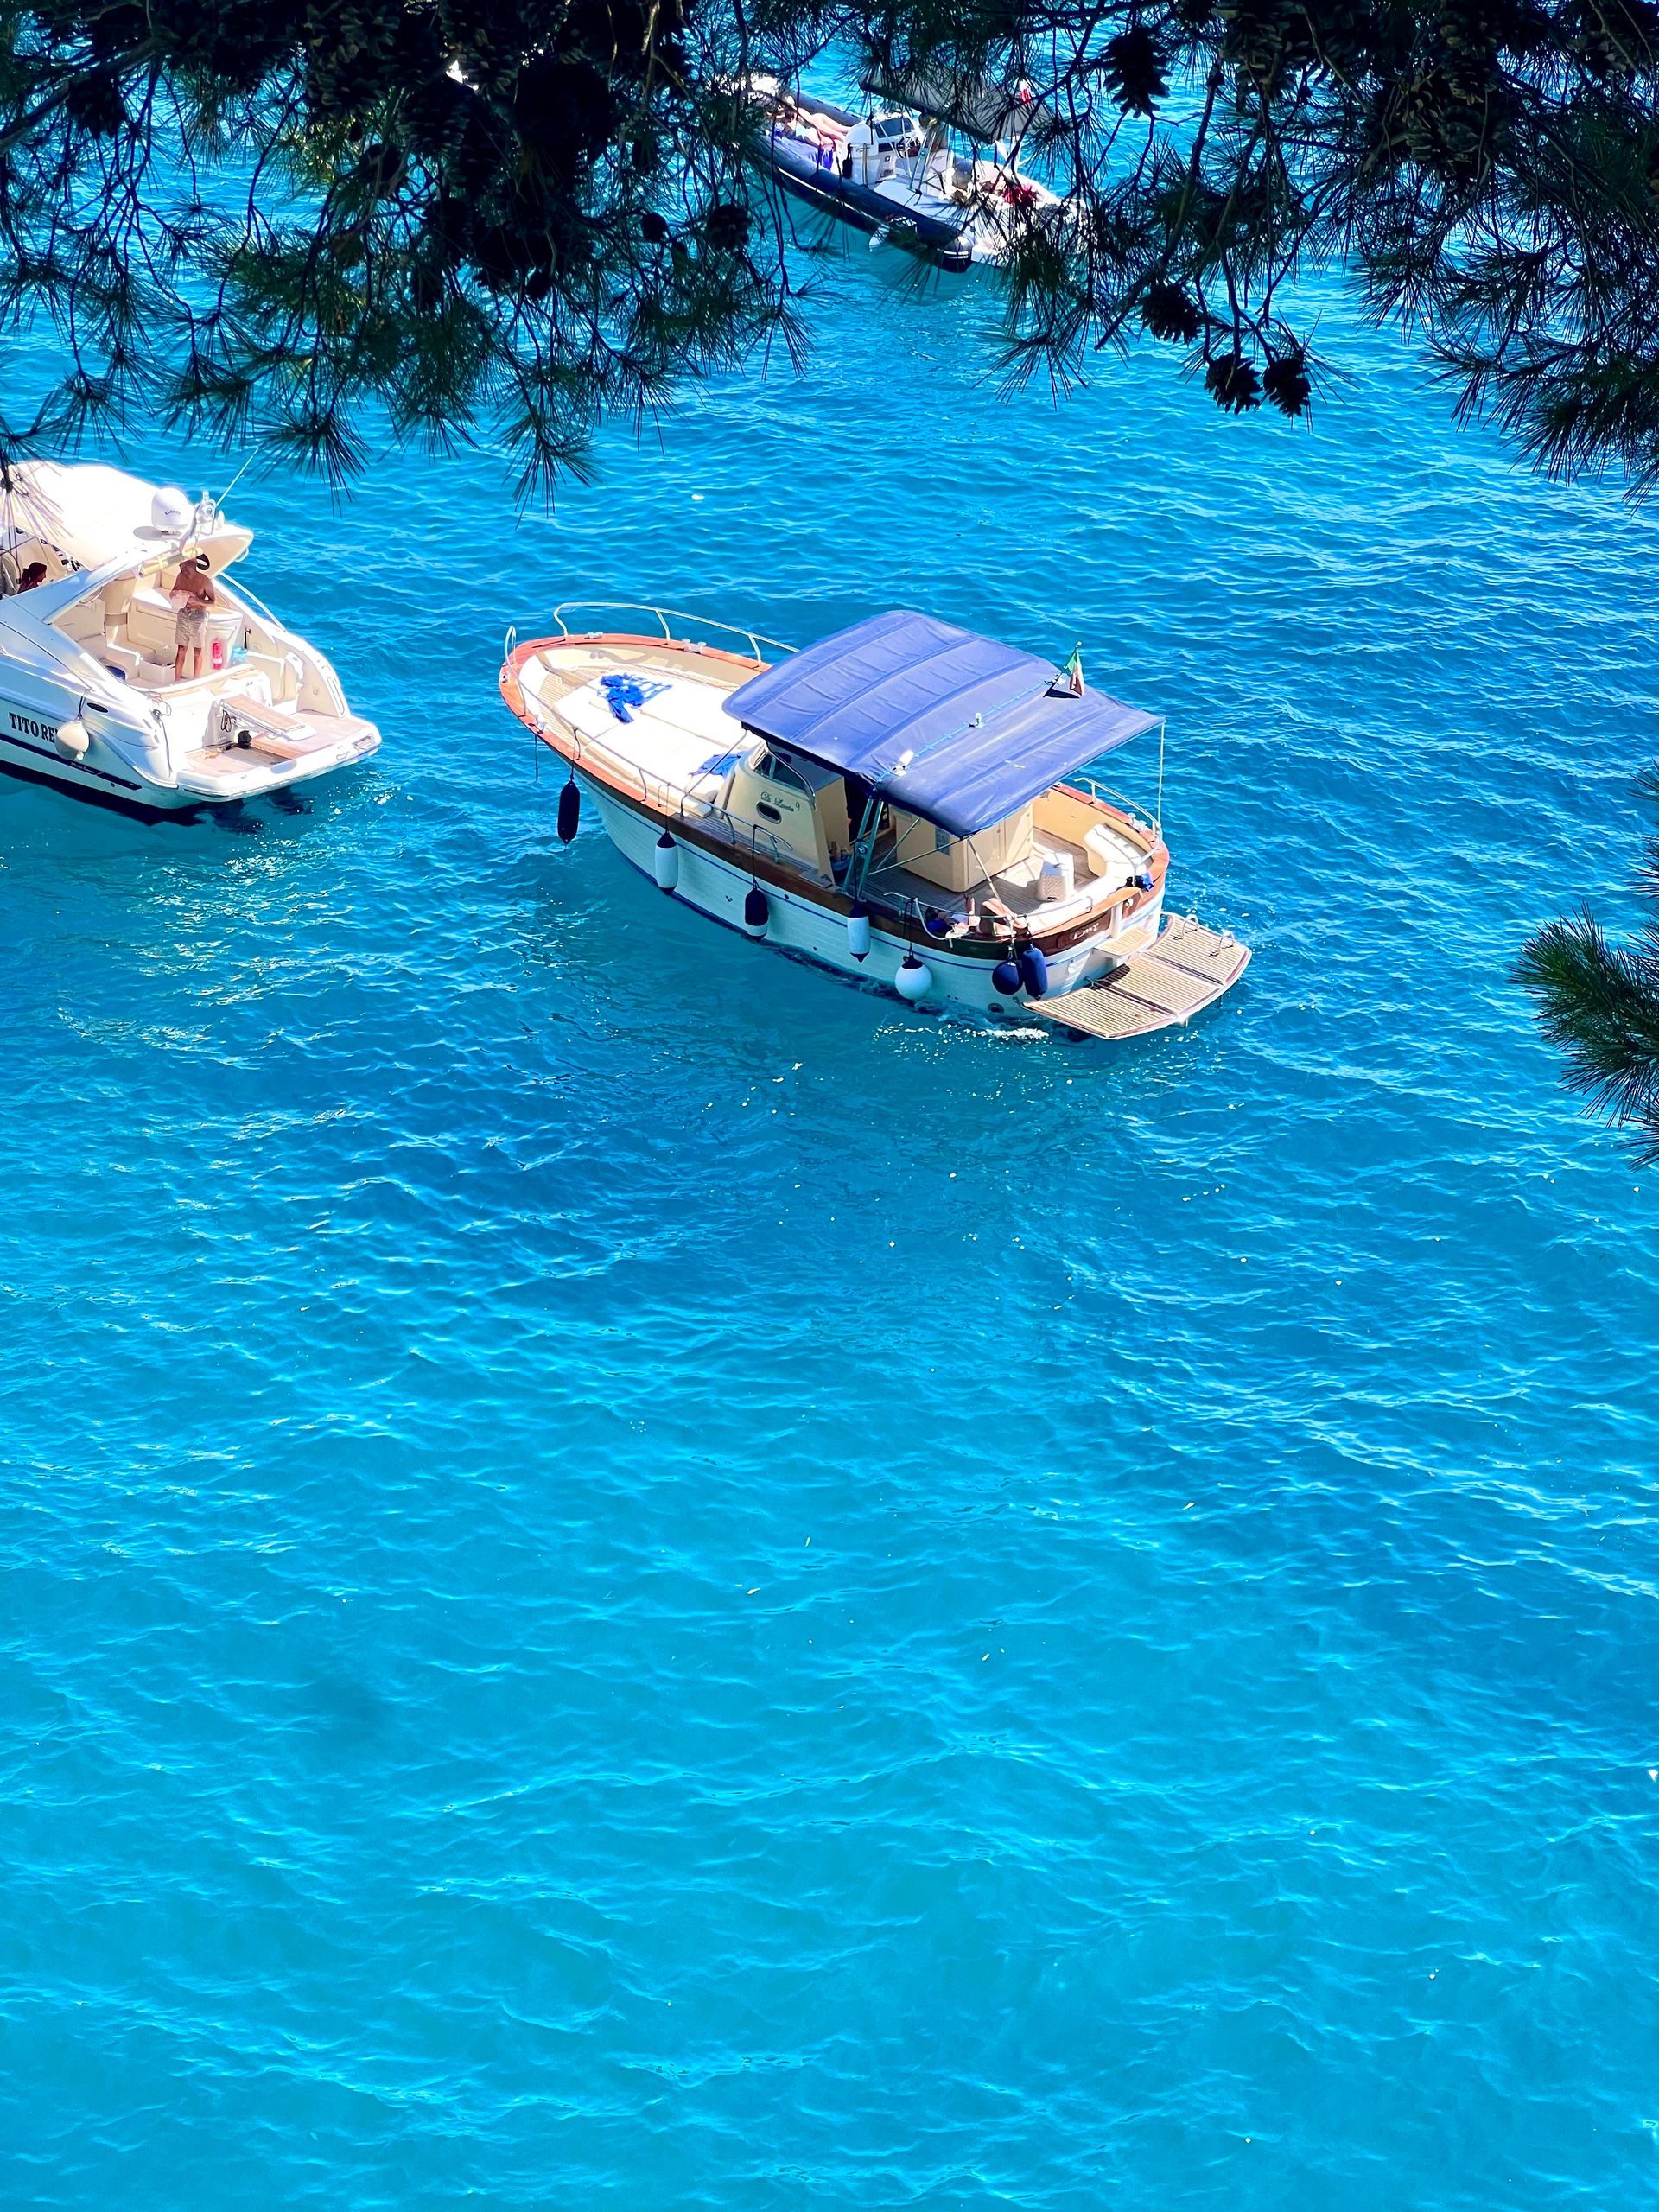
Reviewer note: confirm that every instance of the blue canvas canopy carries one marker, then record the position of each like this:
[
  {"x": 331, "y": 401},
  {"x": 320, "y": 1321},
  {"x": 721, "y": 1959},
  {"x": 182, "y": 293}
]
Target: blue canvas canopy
[{"x": 952, "y": 727}]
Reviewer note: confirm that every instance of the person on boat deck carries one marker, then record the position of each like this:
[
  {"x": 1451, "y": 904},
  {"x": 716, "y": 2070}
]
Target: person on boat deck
[
  {"x": 32, "y": 575},
  {"x": 192, "y": 592}
]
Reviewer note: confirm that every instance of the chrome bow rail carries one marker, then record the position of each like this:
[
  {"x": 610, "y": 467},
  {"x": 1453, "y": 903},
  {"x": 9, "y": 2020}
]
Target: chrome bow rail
[{"x": 662, "y": 616}]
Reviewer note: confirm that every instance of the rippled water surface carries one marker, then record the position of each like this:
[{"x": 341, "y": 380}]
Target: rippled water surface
[{"x": 632, "y": 1578}]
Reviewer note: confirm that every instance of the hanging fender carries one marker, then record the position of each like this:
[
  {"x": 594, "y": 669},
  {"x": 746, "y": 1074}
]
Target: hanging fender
[
  {"x": 756, "y": 911},
  {"x": 914, "y": 980},
  {"x": 569, "y": 811},
  {"x": 1033, "y": 970},
  {"x": 858, "y": 931},
  {"x": 666, "y": 861}
]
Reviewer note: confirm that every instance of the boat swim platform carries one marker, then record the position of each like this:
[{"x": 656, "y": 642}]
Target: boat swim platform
[{"x": 1186, "y": 969}]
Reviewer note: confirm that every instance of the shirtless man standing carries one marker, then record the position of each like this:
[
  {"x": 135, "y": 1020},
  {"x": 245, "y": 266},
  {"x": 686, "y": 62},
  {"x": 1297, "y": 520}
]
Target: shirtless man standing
[{"x": 192, "y": 594}]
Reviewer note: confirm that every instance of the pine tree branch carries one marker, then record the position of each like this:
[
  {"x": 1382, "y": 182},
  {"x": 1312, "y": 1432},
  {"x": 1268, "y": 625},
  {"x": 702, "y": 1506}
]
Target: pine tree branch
[{"x": 1598, "y": 1004}]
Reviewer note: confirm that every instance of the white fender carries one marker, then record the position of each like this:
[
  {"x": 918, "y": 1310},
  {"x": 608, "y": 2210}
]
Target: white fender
[
  {"x": 72, "y": 740},
  {"x": 665, "y": 860},
  {"x": 914, "y": 979},
  {"x": 858, "y": 934}
]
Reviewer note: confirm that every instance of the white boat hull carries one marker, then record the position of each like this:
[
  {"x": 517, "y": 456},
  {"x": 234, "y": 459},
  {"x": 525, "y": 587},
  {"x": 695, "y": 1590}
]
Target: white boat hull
[
  {"x": 800, "y": 925},
  {"x": 92, "y": 700},
  {"x": 108, "y": 775}
]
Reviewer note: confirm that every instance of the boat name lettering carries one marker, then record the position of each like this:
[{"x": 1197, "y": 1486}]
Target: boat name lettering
[{"x": 32, "y": 728}]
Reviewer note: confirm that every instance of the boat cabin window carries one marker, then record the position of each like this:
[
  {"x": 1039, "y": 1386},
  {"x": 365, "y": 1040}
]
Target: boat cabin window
[{"x": 777, "y": 771}]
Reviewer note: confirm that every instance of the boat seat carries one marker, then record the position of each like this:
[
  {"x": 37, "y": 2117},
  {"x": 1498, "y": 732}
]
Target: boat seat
[{"x": 1110, "y": 855}]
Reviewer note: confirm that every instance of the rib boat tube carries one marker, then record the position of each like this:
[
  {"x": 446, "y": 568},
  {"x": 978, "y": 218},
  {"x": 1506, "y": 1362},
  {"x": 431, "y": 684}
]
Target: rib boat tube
[
  {"x": 905, "y": 803},
  {"x": 803, "y": 172},
  {"x": 938, "y": 176}
]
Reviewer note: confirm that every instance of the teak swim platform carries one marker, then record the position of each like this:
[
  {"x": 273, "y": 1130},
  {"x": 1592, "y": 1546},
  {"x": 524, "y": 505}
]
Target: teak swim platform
[
  {"x": 1187, "y": 968},
  {"x": 905, "y": 803}
]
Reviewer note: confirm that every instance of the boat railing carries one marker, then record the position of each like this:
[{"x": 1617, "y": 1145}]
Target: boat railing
[
  {"x": 745, "y": 838},
  {"x": 662, "y": 616},
  {"x": 239, "y": 588},
  {"x": 1106, "y": 795}
]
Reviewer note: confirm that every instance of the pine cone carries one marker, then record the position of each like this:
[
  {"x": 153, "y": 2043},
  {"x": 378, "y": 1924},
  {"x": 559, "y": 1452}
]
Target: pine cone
[
  {"x": 1233, "y": 383},
  {"x": 1166, "y": 313}
]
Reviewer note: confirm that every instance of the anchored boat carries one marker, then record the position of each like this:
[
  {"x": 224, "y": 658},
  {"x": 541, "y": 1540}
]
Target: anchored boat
[
  {"x": 930, "y": 166},
  {"x": 99, "y": 691},
  {"x": 904, "y": 803}
]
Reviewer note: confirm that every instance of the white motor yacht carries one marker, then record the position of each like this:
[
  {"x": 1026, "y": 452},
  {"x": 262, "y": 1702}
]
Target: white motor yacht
[
  {"x": 905, "y": 803},
  {"x": 90, "y": 699}
]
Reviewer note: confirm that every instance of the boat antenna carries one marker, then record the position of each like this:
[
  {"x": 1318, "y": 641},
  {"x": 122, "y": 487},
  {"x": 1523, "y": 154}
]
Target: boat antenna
[
  {"x": 235, "y": 480},
  {"x": 1162, "y": 727}
]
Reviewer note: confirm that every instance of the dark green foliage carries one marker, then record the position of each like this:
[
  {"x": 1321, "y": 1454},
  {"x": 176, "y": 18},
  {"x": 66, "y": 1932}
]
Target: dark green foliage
[
  {"x": 1599, "y": 1003},
  {"x": 291, "y": 223},
  {"x": 511, "y": 218},
  {"x": 1487, "y": 170}
]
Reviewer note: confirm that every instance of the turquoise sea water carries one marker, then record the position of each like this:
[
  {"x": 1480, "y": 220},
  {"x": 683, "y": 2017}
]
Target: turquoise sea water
[{"x": 632, "y": 1578}]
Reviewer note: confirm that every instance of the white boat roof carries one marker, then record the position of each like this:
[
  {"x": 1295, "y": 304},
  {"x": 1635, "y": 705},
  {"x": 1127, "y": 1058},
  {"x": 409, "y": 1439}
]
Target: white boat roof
[{"x": 98, "y": 518}]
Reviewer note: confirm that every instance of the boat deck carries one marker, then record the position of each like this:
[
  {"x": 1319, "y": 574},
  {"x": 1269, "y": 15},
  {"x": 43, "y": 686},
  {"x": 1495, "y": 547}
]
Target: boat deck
[{"x": 1186, "y": 970}]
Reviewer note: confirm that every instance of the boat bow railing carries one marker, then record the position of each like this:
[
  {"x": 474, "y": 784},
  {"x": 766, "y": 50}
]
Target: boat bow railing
[
  {"x": 662, "y": 616},
  {"x": 1106, "y": 795}
]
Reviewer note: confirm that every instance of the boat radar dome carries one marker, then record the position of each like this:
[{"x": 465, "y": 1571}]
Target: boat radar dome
[{"x": 172, "y": 511}]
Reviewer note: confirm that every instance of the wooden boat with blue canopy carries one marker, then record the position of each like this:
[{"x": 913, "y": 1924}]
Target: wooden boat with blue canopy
[{"x": 905, "y": 802}]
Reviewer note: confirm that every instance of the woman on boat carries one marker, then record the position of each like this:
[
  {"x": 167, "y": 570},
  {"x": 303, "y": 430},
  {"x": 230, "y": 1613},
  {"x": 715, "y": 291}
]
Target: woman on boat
[{"x": 192, "y": 594}]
